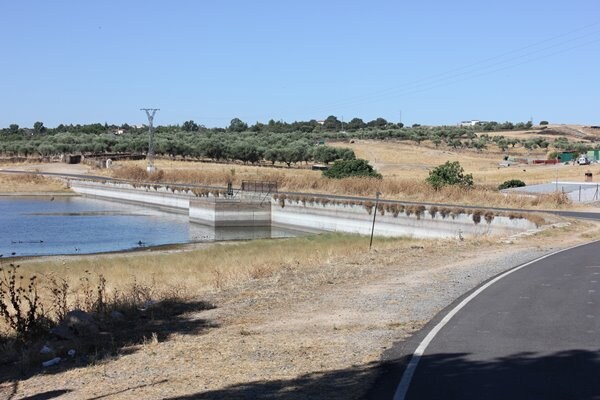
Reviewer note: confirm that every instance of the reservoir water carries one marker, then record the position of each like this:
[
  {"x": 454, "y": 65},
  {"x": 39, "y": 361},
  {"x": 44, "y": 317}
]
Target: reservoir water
[{"x": 31, "y": 226}]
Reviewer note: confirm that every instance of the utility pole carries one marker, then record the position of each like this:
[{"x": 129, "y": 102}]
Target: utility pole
[
  {"x": 150, "y": 114},
  {"x": 374, "y": 215},
  {"x": 556, "y": 169}
]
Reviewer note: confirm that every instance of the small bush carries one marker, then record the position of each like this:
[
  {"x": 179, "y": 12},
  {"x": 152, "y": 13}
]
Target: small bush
[
  {"x": 449, "y": 173},
  {"x": 511, "y": 184},
  {"x": 477, "y": 216},
  {"x": 543, "y": 122},
  {"x": 351, "y": 168},
  {"x": 419, "y": 210},
  {"x": 444, "y": 212},
  {"x": 433, "y": 210},
  {"x": 455, "y": 212},
  {"x": 281, "y": 199}
]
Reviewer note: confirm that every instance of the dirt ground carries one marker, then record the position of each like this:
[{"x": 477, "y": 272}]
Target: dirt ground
[
  {"x": 299, "y": 333},
  {"x": 56, "y": 167},
  {"x": 410, "y": 161}
]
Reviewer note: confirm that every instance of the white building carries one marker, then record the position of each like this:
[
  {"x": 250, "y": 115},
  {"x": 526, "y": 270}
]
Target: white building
[{"x": 473, "y": 122}]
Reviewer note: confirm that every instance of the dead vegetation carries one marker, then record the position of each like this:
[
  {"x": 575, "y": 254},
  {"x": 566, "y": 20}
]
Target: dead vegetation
[
  {"x": 29, "y": 183},
  {"x": 312, "y": 182},
  {"x": 129, "y": 299},
  {"x": 51, "y": 319}
]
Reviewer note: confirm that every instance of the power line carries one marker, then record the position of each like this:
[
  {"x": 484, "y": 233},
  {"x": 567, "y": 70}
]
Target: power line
[
  {"x": 506, "y": 60},
  {"x": 434, "y": 85},
  {"x": 468, "y": 69}
]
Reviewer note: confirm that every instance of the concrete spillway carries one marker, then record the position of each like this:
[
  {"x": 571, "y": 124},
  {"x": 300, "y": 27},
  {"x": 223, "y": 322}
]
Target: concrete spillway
[{"x": 239, "y": 212}]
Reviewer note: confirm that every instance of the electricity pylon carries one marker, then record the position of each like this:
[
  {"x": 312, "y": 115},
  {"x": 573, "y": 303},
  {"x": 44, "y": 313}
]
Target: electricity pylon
[{"x": 150, "y": 113}]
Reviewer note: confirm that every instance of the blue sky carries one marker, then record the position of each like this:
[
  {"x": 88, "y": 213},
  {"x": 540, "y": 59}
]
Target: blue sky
[{"x": 428, "y": 62}]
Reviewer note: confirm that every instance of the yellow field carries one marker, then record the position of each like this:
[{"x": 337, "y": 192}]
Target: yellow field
[{"x": 409, "y": 161}]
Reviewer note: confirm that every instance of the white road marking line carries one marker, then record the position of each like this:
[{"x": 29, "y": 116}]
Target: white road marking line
[{"x": 407, "y": 376}]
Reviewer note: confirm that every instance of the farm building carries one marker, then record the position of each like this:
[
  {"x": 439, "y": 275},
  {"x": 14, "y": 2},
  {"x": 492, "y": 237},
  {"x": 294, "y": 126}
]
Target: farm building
[
  {"x": 567, "y": 156},
  {"x": 593, "y": 155}
]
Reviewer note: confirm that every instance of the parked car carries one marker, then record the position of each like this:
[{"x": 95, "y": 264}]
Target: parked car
[{"x": 583, "y": 160}]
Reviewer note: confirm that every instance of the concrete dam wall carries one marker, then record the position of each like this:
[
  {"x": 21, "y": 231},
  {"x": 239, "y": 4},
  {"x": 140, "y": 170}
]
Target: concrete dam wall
[
  {"x": 158, "y": 196},
  {"x": 412, "y": 221},
  {"x": 242, "y": 212},
  {"x": 251, "y": 210}
]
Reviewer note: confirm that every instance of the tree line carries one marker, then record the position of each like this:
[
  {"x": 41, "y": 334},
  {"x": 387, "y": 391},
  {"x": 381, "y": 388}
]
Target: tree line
[
  {"x": 236, "y": 125},
  {"x": 246, "y": 147},
  {"x": 276, "y": 141}
]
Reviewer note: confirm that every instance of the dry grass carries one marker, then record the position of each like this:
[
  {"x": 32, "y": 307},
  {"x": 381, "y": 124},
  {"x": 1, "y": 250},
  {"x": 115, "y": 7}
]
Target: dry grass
[
  {"x": 29, "y": 183},
  {"x": 209, "y": 269},
  {"x": 408, "y": 161},
  {"x": 393, "y": 188}
]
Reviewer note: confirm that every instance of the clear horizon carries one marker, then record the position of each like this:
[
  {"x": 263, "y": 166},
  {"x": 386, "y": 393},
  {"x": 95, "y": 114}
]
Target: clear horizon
[{"x": 433, "y": 63}]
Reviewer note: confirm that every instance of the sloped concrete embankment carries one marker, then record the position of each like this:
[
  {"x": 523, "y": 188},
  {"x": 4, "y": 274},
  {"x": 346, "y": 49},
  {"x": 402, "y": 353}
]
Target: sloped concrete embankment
[
  {"x": 149, "y": 195},
  {"x": 318, "y": 216},
  {"x": 417, "y": 222}
]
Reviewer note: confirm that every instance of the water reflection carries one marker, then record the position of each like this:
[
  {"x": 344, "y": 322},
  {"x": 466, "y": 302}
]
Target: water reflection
[{"x": 78, "y": 225}]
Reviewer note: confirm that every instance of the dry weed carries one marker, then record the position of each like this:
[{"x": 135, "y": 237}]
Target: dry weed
[
  {"x": 311, "y": 181},
  {"x": 28, "y": 183}
]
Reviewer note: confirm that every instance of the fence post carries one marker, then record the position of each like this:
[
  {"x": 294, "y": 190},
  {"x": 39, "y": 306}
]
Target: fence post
[{"x": 580, "y": 193}]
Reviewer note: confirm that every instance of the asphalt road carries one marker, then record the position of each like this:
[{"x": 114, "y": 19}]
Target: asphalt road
[{"x": 533, "y": 334}]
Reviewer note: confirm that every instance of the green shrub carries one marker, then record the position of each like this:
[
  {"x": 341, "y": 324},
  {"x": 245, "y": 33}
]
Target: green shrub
[
  {"x": 511, "y": 184},
  {"x": 543, "y": 122},
  {"x": 350, "y": 168},
  {"x": 553, "y": 155},
  {"x": 449, "y": 173}
]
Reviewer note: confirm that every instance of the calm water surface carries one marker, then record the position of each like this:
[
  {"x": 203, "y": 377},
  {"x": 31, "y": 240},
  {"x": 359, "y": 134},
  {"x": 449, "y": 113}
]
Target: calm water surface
[{"x": 77, "y": 225}]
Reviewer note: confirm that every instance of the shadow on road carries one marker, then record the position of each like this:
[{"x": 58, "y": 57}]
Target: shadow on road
[
  {"x": 572, "y": 374},
  {"x": 563, "y": 375}
]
